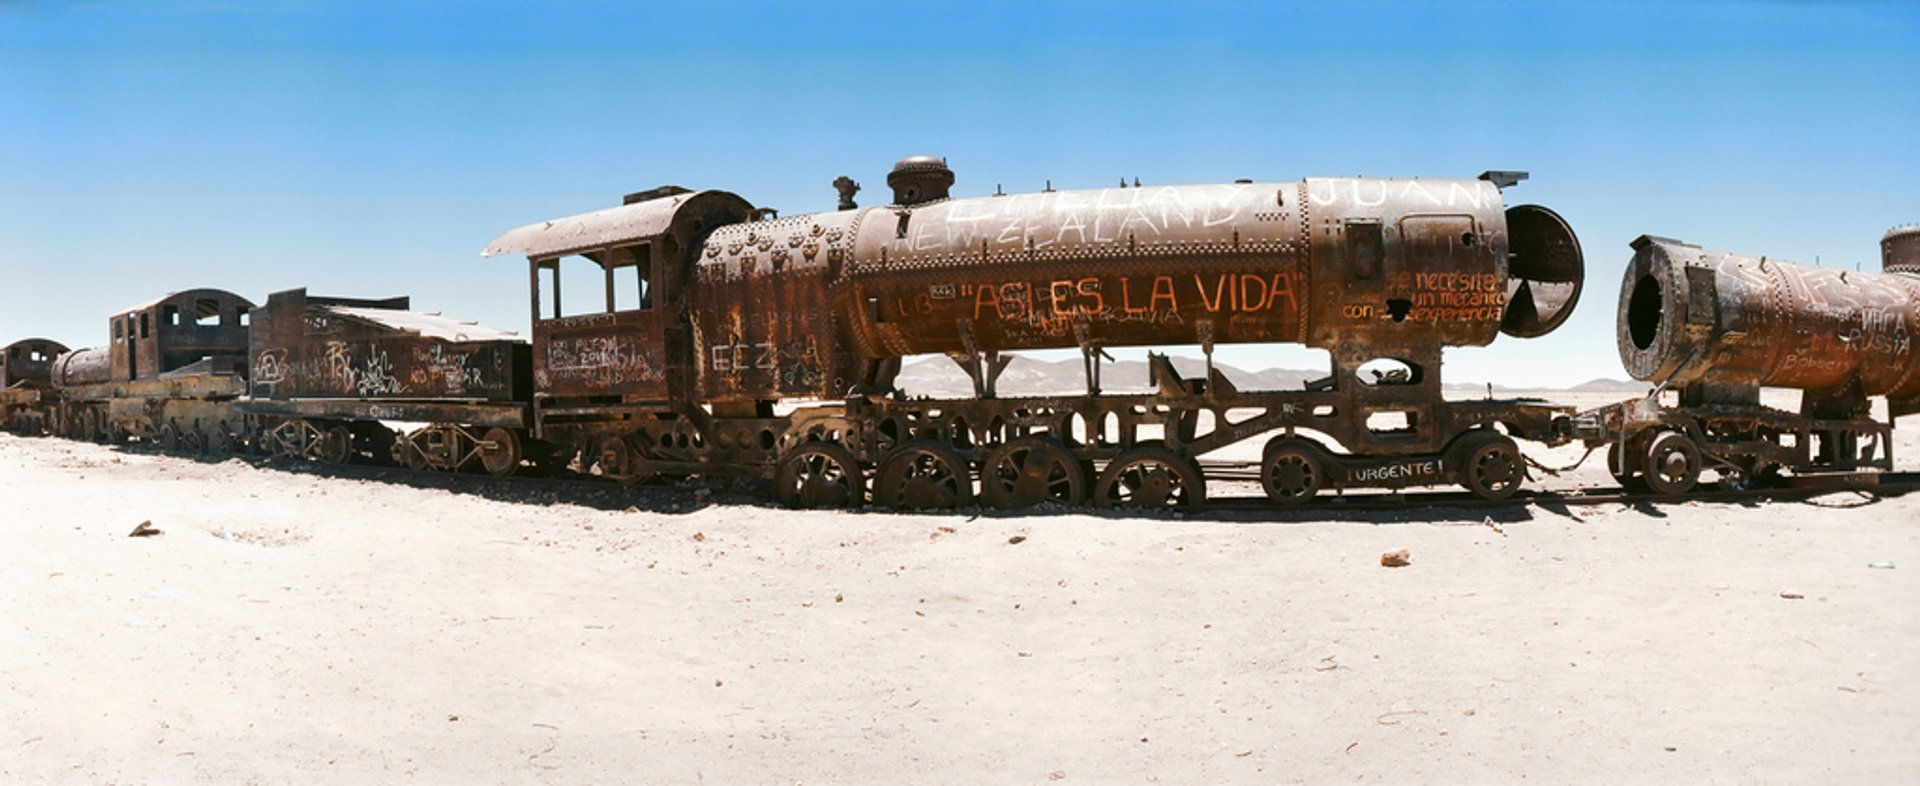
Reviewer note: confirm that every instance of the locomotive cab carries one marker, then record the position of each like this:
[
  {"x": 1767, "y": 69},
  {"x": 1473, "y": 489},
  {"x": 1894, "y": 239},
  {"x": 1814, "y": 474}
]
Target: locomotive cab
[
  {"x": 28, "y": 362},
  {"x": 196, "y": 331}
]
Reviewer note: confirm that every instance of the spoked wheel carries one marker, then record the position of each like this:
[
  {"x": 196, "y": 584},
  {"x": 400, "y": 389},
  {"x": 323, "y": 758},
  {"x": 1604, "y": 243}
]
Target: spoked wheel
[
  {"x": 195, "y": 442},
  {"x": 500, "y": 452},
  {"x": 923, "y": 476},
  {"x": 169, "y": 438},
  {"x": 220, "y": 444},
  {"x": 1293, "y": 471},
  {"x": 1673, "y": 463},
  {"x": 336, "y": 445},
  {"x": 819, "y": 475},
  {"x": 1029, "y": 471},
  {"x": 1151, "y": 478},
  {"x": 1493, "y": 468}
]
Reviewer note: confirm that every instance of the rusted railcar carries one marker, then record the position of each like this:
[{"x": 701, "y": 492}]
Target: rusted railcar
[
  {"x": 328, "y": 374},
  {"x": 739, "y": 310},
  {"x": 1716, "y": 327},
  {"x": 170, "y": 375},
  {"x": 26, "y": 380}
]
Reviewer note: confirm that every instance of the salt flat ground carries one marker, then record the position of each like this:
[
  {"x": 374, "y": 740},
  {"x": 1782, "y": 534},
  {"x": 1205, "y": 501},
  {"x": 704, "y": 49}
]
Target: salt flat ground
[{"x": 292, "y": 627}]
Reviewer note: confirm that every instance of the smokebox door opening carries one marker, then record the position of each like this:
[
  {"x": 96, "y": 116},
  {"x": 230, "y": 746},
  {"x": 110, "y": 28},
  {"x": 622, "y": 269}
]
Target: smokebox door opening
[
  {"x": 1643, "y": 311},
  {"x": 1544, "y": 272}
]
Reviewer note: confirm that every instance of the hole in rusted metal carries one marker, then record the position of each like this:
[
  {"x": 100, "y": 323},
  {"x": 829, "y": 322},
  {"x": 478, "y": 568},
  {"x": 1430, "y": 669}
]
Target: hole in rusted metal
[
  {"x": 1388, "y": 421},
  {"x": 1643, "y": 311},
  {"x": 1399, "y": 308},
  {"x": 1388, "y": 371}
]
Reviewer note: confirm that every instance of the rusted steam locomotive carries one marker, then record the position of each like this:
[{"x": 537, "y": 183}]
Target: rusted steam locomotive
[
  {"x": 735, "y": 311},
  {"x": 708, "y": 336},
  {"x": 1717, "y": 327}
]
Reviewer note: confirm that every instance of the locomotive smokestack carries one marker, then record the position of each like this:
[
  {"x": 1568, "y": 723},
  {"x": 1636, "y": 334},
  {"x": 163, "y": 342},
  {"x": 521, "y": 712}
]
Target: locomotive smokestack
[
  {"x": 918, "y": 179},
  {"x": 1900, "y": 250}
]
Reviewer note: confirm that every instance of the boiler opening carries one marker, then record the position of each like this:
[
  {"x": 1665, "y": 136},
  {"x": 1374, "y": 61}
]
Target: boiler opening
[
  {"x": 1643, "y": 311},
  {"x": 1544, "y": 272}
]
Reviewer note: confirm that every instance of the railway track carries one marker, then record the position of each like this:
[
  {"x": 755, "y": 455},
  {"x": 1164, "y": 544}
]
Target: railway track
[{"x": 1236, "y": 498}]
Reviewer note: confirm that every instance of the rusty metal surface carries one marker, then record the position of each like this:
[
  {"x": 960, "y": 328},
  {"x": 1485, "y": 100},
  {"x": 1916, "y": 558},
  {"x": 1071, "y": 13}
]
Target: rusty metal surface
[
  {"x": 29, "y": 362},
  {"x": 808, "y": 305},
  {"x": 180, "y": 330},
  {"x": 1146, "y": 266},
  {"x": 1900, "y": 250},
  {"x": 598, "y": 229},
  {"x": 1721, "y": 325},
  {"x": 86, "y": 366},
  {"x": 764, "y": 316},
  {"x": 311, "y": 347}
]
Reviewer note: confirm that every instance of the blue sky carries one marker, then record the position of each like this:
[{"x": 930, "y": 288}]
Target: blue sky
[{"x": 372, "y": 149}]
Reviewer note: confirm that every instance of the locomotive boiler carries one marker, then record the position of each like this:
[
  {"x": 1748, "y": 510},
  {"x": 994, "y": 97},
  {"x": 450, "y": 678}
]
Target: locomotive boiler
[
  {"x": 1719, "y": 326},
  {"x": 1716, "y": 327}
]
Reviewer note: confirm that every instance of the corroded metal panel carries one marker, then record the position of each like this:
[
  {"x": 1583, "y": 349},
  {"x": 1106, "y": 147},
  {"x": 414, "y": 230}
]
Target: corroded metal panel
[
  {"x": 309, "y": 347},
  {"x": 1114, "y": 266},
  {"x": 599, "y": 228},
  {"x": 86, "y": 366},
  {"x": 1321, "y": 262},
  {"x": 619, "y": 353},
  {"x": 1900, "y": 250},
  {"x": 1695, "y": 317},
  {"x": 764, "y": 322}
]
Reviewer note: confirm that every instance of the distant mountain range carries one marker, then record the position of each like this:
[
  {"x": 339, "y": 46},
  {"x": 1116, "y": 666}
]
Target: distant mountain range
[{"x": 942, "y": 378}]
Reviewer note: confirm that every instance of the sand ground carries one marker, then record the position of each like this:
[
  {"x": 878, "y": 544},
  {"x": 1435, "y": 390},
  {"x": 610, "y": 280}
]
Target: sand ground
[{"x": 294, "y": 627}]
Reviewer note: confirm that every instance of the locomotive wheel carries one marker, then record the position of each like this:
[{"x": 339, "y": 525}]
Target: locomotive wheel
[
  {"x": 819, "y": 475},
  {"x": 1029, "y": 471},
  {"x": 195, "y": 442},
  {"x": 1673, "y": 463},
  {"x": 1621, "y": 464},
  {"x": 336, "y": 445},
  {"x": 1293, "y": 471},
  {"x": 169, "y": 438},
  {"x": 220, "y": 443},
  {"x": 1151, "y": 478},
  {"x": 923, "y": 476},
  {"x": 1493, "y": 469},
  {"x": 500, "y": 452},
  {"x": 613, "y": 459}
]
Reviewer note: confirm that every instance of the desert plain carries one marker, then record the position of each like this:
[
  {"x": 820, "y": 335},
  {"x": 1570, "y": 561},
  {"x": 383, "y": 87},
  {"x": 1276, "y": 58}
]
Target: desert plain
[{"x": 291, "y": 624}]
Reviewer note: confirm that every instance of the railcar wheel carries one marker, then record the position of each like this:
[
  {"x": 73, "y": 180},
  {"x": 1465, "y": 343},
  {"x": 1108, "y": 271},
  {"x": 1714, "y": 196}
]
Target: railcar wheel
[
  {"x": 819, "y": 475},
  {"x": 195, "y": 442},
  {"x": 1493, "y": 469},
  {"x": 1151, "y": 478},
  {"x": 500, "y": 452},
  {"x": 1293, "y": 470},
  {"x": 169, "y": 438},
  {"x": 336, "y": 445},
  {"x": 923, "y": 476},
  {"x": 1029, "y": 471},
  {"x": 1673, "y": 463},
  {"x": 220, "y": 444}
]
